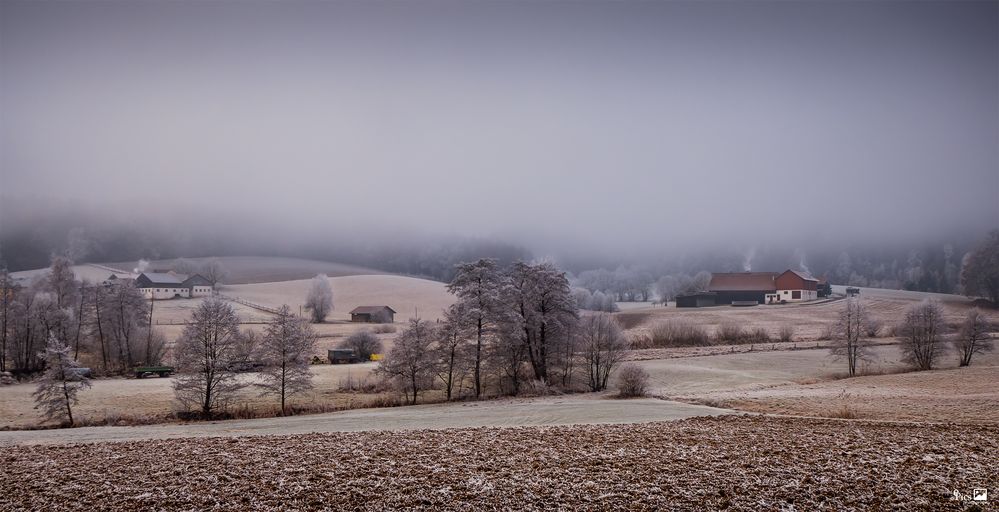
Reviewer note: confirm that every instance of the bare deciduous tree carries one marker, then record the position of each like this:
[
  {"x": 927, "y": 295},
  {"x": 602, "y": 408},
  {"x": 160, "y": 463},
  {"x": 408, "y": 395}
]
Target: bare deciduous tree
[
  {"x": 287, "y": 345},
  {"x": 8, "y": 292},
  {"x": 602, "y": 344},
  {"x": 849, "y": 342},
  {"x": 204, "y": 354},
  {"x": 364, "y": 343},
  {"x": 319, "y": 302},
  {"x": 410, "y": 363},
  {"x": 452, "y": 348},
  {"x": 922, "y": 334},
  {"x": 540, "y": 304},
  {"x": 974, "y": 336},
  {"x": 58, "y": 388},
  {"x": 477, "y": 285},
  {"x": 214, "y": 271}
]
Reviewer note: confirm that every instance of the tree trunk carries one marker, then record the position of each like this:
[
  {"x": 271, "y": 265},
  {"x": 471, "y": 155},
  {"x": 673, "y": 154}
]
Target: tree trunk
[
  {"x": 65, "y": 394},
  {"x": 478, "y": 359}
]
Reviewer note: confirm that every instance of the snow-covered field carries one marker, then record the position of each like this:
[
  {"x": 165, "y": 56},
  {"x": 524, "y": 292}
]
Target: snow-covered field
[{"x": 727, "y": 462}]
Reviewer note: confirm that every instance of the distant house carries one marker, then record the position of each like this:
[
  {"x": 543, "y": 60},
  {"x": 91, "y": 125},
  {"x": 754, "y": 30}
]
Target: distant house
[
  {"x": 169, "y": 285},
  {"x": 373, "y": 314},
  {"x": 744, "y": 287},
  {"x": 796, "y": 286}
]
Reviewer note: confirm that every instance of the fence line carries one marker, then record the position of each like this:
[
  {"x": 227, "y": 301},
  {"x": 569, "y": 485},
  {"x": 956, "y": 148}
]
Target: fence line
[
  {"x": 254, "y": 305},
  {"x": 109, "y": 269}
]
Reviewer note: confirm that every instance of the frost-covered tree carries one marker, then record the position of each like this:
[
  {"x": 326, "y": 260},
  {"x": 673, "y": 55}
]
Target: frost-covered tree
[
  {"x": 364, "y": 343},
  {"x": 122, "y": 319},
  {"x": 602, "y": 344},
  {"x": 8, "y": 293},
  {"x": 62, "y": 381},
  {"x": 477, "y": 286},
  {"x": 214, "y": 271},
  {"x": 287, "y": 345},
  {"x": 319, "y": 302},
  {"x": 849, "y": 343},
  {"x": 666, "y": 288},
  {"x": 539, "y": 304},
  {"x": 980, "y": 269},
  {"x": 453, "y": 351},
  {"x": 204, "y": 355},
  {"x": 974, "y": 336},
  {"x": 410, "y": 363},
  {"x": 922, "y": 334}
]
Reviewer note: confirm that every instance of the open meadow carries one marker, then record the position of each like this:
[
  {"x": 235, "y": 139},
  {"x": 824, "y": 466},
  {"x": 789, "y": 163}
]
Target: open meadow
[{"x": 796, "y": 378}]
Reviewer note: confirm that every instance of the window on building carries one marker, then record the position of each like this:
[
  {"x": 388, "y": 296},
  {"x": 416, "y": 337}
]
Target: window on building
[{"x": 796, "y": 294}]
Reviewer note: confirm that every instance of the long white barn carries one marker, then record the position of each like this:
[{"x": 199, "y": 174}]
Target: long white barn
[{"x": 157, "y": 285}]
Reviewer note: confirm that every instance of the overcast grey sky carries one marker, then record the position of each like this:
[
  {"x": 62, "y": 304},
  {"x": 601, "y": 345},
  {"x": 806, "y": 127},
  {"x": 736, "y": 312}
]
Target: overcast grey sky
[{"x": 557, "y": 124}]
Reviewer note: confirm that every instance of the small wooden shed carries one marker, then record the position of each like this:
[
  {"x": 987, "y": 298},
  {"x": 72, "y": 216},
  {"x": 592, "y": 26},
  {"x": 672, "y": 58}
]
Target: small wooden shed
[{"x": 373, "y": 314}]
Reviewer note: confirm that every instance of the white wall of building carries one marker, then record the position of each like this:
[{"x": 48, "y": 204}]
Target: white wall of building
[
  {"x": 201, "y": 291},
  {"x": 806, "y": 295},
  {"x": 165, "y": 293}
]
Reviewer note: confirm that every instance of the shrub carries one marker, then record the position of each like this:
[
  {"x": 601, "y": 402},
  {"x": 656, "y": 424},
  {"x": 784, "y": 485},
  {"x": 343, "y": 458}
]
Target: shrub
[
  {"x": 757, "y": 335},
  {"x": 384, "y": 329},
  {"x": 677, "y": 333},
  {"x": 364, "y": 343},
  {"x": 632, "y": 381},
  {"x": 786, "y": 333},
  {"x": 872, "y": 327},
  {"x": 730, "y": 332}
]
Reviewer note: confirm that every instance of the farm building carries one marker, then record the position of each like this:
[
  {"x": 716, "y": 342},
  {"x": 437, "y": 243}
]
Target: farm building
[
  {"x": 795, "y": 286},
  {"x": 159, "y": 285},
  {"x": 373, "y": 314},
  {"x": 744, "y": 287},
  {"x": 695, "y": 300}
]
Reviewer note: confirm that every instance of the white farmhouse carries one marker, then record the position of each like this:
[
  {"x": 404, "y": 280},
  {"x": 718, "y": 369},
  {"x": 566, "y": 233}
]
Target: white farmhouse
[{"x": 158, "y": 285}]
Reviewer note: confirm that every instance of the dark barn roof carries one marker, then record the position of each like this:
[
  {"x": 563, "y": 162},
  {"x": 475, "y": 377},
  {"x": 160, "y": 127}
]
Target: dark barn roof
[
  {"x": 148, "y": 279},
  {"x": 196, "y": 280},
  {"x": 370, "y": 310},
  {"x": 803, "y": 275},
  {"x": 743, "y": 281}
]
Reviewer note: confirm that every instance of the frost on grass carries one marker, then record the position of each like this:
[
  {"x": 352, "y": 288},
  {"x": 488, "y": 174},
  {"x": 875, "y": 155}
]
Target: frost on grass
[{"x": 735, "y": 463}]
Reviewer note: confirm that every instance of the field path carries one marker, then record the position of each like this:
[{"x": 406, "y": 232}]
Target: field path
[{"x": 568, "y": 410}]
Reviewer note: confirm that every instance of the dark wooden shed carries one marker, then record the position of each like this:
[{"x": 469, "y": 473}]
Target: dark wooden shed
[{"x": 373, "y": 314}]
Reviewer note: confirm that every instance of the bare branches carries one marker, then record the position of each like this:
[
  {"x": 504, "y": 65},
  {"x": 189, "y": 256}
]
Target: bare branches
[
  {"x": 922, "y": 334},
  {"x": 974, "y": 337},
  {"x": 602, "y": 344},
  {"x": 849, "y": 342},
  {"x": 287, "y": 345},
  {"x": 203, "y": 356}
]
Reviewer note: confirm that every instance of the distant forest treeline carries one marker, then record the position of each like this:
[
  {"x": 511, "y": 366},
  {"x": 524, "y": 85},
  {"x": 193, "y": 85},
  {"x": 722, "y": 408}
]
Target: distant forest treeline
[
  {"x": 32, "y": 248},
  {"x": 929, "y": 267}
]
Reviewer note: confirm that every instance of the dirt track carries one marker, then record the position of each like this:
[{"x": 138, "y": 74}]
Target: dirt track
[{"x": 568, "y": 410}]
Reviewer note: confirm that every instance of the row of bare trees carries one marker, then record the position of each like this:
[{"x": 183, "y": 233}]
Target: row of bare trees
[
  {"x": 106, "y": 324},
  {"x": 509, "y": 326},
  {"x": 923, "y": 334},
  {"x": 212, "y": 349}
]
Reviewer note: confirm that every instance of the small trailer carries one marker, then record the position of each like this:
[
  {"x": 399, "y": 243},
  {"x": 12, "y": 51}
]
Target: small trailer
[
  {"x": 343, "y": 356},
  {"x": 143, "y": 371}
]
